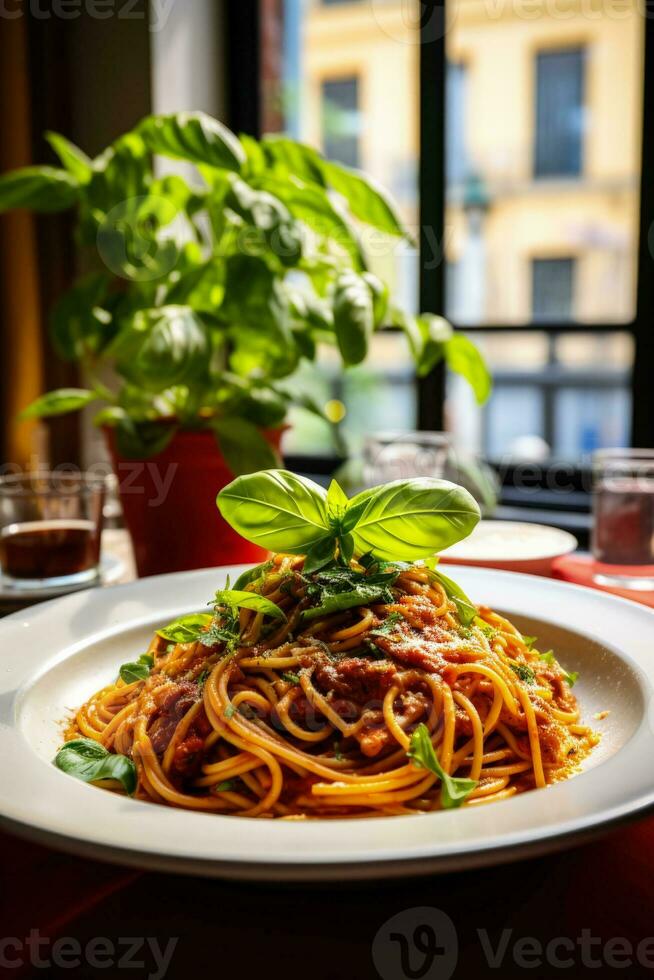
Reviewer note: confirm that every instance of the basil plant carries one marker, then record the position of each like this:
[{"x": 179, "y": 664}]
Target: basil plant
[{"x": 205, "y": 289}]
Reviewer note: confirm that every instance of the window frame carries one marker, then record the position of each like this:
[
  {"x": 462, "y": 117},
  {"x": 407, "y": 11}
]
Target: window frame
[{"x": 245, "y": 111}]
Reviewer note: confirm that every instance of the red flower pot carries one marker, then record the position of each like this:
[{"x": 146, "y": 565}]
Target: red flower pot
[{"x": 169, "y": 504}]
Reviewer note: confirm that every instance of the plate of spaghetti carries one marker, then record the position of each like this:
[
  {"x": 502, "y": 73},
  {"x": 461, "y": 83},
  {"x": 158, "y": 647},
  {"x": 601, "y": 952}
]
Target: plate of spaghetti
[{"x": 343, "y": 708}]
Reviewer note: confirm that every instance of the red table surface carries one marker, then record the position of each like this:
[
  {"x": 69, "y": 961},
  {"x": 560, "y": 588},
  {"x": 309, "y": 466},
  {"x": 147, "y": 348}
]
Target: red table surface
[{"x": 593, "y": 905}]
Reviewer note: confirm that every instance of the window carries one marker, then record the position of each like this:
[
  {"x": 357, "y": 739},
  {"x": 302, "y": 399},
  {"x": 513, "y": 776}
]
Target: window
[
  {"x": 559, "y": 113},
  {"x": 341, "y": 122},
  {"x": 531, "y": 183},
  {"x": 552, "y": 291}
]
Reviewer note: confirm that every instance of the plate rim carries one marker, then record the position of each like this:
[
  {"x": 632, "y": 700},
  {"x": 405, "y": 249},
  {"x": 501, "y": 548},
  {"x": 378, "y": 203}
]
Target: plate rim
[{"x": 495, "y": 849}]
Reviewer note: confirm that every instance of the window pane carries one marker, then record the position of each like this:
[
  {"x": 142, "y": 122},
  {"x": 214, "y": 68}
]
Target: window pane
[
  {"x": 559, "y": 112},
  {"x": 543, "y": 132},
  {"x": 552, "y": 289},
  {"x": 349, "y": 86},
  {"x": 553, "y": 395}
]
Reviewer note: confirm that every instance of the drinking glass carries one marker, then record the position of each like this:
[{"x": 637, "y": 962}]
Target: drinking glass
[
  {"x": 402, "y": 455},
  {"x": 50, "y": 529},
  {"x": 623, "y": 518}
]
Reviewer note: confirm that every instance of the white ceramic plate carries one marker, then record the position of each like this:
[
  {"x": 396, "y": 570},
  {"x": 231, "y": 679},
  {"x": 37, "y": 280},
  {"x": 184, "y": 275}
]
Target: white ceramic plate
[
  {"x": 512, "y": 545},
  {"x": 54, "y": 655}
]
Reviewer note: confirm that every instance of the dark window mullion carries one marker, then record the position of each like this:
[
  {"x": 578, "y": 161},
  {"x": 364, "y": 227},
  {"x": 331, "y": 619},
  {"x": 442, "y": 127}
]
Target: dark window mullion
[{"x": 431, "y": 390}]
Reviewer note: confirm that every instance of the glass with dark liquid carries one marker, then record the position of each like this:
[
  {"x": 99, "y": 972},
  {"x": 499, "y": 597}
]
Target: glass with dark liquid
[
  {"x": 50, "y": 529},
  {"x": 623, "y": 518}
]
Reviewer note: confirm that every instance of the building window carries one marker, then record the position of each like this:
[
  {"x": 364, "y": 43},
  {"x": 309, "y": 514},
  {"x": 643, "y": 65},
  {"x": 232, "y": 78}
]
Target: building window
[
  {"x": 552, "y": 289},
  {"x": 341, "y": 120},
  {"x": 455, "y": 116},
  {"x": 559, "y": 113}
]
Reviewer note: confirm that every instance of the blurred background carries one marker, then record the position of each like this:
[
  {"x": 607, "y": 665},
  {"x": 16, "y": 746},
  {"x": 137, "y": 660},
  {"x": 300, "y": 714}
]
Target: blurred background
[{"x": 511, "y": 134}]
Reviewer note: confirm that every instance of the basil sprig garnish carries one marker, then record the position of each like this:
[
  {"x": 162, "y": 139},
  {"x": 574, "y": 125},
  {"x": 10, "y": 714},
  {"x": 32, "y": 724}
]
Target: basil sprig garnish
[
  {"x": 404, "y": 520},
  {"x": 86, "y": 759},
  {"x": 138, "y": 670},
  {"x": 455, "y": 790}
]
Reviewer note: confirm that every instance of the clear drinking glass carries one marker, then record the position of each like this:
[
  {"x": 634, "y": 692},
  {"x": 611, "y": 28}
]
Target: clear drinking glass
[
  {"x": 401, "y": 455},
  {"x": 50, "y": 529},
  {"x": 623, "y": 517}
]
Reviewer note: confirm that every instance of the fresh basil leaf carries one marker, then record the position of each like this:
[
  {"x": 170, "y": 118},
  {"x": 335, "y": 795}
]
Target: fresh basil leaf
[
  {"x": 454, "y": 789},
  {"x": 320, "y": 554},
  {"x": 362, "y": 595},
  {"x": 261, "y": 210},
  {"x": 379, "y": 293},
  {"x": 249, "y": 600},
  {"x": 287, "y": 156},
  {"x": 524, "y": 672},
  {"x": 276, "y": 509},
  {"x": 354, "y": 318},
  {"x": 244, "y": 447},
  {"x": 465, "y": 359},
  {"x": 186, "y": 629},
  {"x": 290, "y": 678},
  {"x": 410, "y": 519},
  {"x": 571, "y": 678},
  {"x": 336, "y": 501},
  {"x": 252, "y": 575},
  {"x": 76, "y": 162},
  {"x": 58, "y": 403},
  {"x": 466, "y": 610},
  {"x": 529, "y": 641},
  {"x": 138, "y": 670},
  {"x": 78, "y": 323},
  {"x": 193, "y": 136},
  {"x": 89, "y": 761},
  {"x": 37, "y": 188},
  {"x": 140, "y": 440},
  {"x": 226, "y": 786},
  {"x": 548, "y": 656},
  {"x": 365, "y": 198},
  {"x": 162, "y": 347}
]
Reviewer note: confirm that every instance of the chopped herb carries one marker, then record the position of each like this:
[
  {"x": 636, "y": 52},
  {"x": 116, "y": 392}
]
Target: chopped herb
[
  {"x": 202, "y": 677},
  {"x": 387, "y": 626},
  {"x": 170, "y": 647},
  {"x": 548, "y": 656},
  {"x": 570, "y": 678},
  {"x": 524, "y": 672},
  {"x": 226, "y": 786},
  {"x": 529, "y": 641},
  {"x": 139, "y": 670},
  {"x": 454, "y": 789},
  {"x": 290, "y": 678},
  {"x": 230, "y": 711}
]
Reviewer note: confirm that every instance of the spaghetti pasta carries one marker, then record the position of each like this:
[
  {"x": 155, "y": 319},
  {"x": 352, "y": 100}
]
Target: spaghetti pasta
[{"x": 319, "y": 715}]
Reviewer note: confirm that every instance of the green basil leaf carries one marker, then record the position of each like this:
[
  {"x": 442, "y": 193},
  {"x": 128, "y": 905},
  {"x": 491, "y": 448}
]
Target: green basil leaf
[
  {"x": 529, "y": 641},
  {"x": 263, "y": 211},
  {"x": 78, "y": 324},
  {"x": 379, "y": 293},
  {"x": 362, "y": 595},
  {"x": 410, "y": 519},
  {"x": 336, "y": 501},
  {"x": 571, "y": 678},
  {"x": 38, "y": 188},
  {"x": 276, "y": 509},
  {"x": 140, "y": 440},
  {"x": 464, "y": 358},
  {"x": 454, "y": 789},
  {"x": 89, "y": 761},
  {"x": 162, "y": 347},
  {"x": 186, "y": 629},
  {"x": 58, "y": 403},
  {"x": 286, "y": 156},
  {"x": 466, "y": 610},
  {"x": 320, "y": 554},
  {"x": 548, "y": 657},
  {"x": 76, "y": 162},
  {"x": 244, "y": 447},
  {"x": 253, "y": 575},
  {"x": 193, "y": 136},
  {"x": 138, "y": 670},
  {"x": 365, "y": 198},
  {"x": 354, "y": 319},
  {"x": 249, "y": 600}
]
